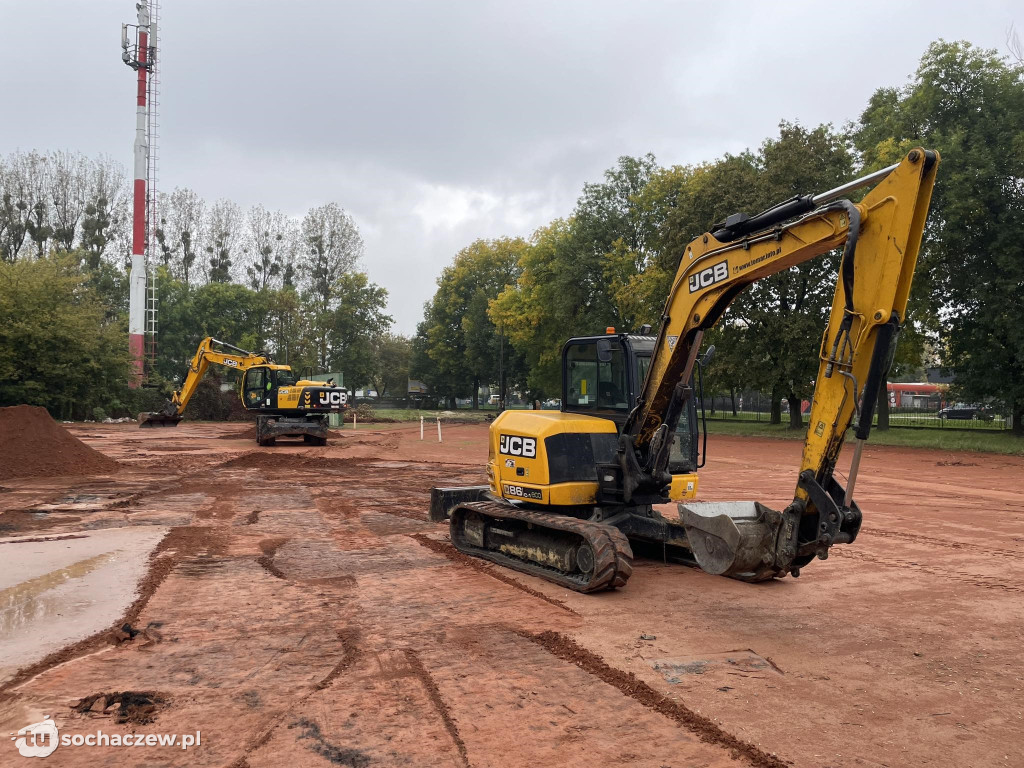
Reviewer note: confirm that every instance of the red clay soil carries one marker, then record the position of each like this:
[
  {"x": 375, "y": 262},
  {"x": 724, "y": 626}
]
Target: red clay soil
[{"x": 33, "y": 445}]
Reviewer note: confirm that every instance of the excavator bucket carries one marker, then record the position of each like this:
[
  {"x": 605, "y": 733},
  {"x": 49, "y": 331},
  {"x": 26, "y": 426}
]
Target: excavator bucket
[
  {"x": 157, "y": 419},
  {"x": 732, "y": 538}
]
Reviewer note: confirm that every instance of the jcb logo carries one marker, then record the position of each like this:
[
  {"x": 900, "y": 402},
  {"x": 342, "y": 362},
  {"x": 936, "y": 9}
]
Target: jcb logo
[
  {"x": 513, "y": 445},
  {"x": 333, "y": 398},
  {"x": 709, "y": 276}
]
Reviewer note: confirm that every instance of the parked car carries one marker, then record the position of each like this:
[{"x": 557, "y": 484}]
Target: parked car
[{"x": 965, "y": 412}]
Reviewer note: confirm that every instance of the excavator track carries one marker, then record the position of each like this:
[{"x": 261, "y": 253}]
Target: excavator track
[{"x": 577, "y": 554}]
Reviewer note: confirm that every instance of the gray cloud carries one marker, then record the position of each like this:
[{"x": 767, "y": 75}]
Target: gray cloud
[{"x": 437, "y": 123}]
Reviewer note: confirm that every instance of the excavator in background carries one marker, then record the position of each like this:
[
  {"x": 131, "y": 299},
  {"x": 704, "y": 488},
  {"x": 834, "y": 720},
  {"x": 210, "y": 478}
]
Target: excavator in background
[
  {"x": 285, "y": 406},
  {"x": 571, "y": 493}
]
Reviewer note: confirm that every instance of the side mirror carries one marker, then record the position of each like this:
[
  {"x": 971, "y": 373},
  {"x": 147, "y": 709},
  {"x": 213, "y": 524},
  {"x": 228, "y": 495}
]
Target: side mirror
[
  {"x": 709, "y": 355},
  {"x": 604, "y": 350}
]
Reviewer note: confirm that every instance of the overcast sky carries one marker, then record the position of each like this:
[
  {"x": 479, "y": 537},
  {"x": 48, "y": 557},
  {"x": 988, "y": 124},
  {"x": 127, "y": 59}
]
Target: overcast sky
[{"x": 436, "y": 123}]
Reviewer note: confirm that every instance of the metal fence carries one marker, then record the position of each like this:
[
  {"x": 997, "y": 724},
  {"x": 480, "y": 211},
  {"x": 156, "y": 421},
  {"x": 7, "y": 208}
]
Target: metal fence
[{"x": 934, "y": 414}]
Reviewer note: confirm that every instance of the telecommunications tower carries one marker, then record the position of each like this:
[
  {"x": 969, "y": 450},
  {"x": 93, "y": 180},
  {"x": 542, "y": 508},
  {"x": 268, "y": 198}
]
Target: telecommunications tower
[{"x": 141, "y": 55}]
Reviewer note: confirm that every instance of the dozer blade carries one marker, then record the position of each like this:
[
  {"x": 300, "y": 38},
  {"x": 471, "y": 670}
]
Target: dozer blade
[
  {"x": 578, "y": 554},
  {"x": 733, "y": 538},
  {"x": 155, "y": 419}
]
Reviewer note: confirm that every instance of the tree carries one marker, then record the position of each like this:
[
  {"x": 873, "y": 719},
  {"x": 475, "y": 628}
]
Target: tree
[
  {"x": 58, "y": 349},
  {"x": 389, "y": 372},
  {"x": 332, "y": 246},
  {"x": 69, "y": 185},
  {"x": 265, "y": 246},
  {"x": 15, "y": 204},
  {"x": 184, "y": 215},
  {"x": 781, "y": 316},
  {"x": 223, "y": 226},
  {"x": 546, "y": 305},
  {"x": 357, "y": 323},
  {"x": 968, "y": 103},
  {"x": 463, "y": 345},
  {"x": 104, "y": 209}
]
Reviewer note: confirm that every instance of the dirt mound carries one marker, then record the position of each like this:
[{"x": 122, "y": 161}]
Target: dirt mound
[
  {"x": 33, "y": 445},
  {"x": 127, "y": 706}
]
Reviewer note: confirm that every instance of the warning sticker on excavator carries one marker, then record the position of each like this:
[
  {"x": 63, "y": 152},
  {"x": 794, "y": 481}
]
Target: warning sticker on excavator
[{"x": 819, "y": 430}]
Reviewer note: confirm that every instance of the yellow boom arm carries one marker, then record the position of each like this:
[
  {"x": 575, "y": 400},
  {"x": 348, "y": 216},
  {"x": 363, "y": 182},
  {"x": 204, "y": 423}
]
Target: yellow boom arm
[
  {"x": 881, "y": 235},
  {"x": 206, "y": 355}
]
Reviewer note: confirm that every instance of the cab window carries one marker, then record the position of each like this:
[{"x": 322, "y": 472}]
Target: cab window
[
  {"x": 643, "y": 362},
  {"x": 681, "y": 455},
  {"x": 595, "y": 383},
  {"x": 255, "y": 383}
]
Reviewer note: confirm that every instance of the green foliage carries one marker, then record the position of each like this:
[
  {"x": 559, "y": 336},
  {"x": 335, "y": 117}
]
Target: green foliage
[
  {"x": 460, "y": 345},
  {"x": 58, "y": 347},
  {"x": 390, "y": 358},
  {"x": 355, "y": 326},
  {"x": 968, "y": 103}
]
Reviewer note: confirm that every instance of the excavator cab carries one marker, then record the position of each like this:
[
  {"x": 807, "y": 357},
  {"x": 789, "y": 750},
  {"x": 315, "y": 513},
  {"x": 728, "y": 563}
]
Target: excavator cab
[
  {"x": 603, "y": 376},
  {"x": 258, "y": 388}
]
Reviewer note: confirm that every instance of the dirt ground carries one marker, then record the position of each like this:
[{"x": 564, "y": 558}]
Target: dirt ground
[{"x": 301, "y": 611}]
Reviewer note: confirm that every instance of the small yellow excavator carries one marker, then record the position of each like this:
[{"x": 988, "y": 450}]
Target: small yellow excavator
[
  {"x": 286, "y": 406},
  {"x": 571, "y": 493}
]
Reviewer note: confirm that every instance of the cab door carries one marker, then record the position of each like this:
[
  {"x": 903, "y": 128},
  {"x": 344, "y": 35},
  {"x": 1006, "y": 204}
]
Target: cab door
[{"x": 258, "y": 392}]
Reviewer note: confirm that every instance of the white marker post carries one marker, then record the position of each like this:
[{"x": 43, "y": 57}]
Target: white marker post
[
  {"x": 439, "y": 429},
  {"x": 421, "y": 427},
  {"x": 355, "y": 419}
]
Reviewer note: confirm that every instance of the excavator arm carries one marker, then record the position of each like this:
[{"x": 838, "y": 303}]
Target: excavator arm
[
  {"x": 880, "y": 236},
  {"x": 205, "y": 355}
]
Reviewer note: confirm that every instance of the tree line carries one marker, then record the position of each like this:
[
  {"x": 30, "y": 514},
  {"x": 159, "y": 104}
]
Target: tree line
[
  {"x": 611, "y": 262},
  {"x": 258, "y": 279}
]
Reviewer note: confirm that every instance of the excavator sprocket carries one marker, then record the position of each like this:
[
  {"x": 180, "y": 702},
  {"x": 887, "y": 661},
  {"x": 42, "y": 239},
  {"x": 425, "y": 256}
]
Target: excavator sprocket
[{"x": 578, "y": 554}]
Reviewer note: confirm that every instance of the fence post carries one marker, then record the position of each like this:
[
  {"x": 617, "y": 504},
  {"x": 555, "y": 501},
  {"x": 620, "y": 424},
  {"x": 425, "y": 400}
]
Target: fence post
[
  {"x": 439, "y": 429},
  {"x": 421, "y": 426}
]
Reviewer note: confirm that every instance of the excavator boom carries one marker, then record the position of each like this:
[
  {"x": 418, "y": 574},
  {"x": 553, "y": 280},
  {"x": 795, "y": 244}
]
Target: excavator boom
[
  {"x": 207, "y": 353},
  {"x": 880, "y": 236}
]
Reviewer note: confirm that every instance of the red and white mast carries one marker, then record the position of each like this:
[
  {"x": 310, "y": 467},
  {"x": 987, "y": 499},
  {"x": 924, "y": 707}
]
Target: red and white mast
[{"x": 141, "y": 59}]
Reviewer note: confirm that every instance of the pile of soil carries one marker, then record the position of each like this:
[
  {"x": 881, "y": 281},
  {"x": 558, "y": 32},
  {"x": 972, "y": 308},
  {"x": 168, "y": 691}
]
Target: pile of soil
[{"x": 33, "y": 445}]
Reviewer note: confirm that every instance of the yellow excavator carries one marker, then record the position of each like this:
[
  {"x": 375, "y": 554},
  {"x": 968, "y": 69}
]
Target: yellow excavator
[
  {"x": 571, "y": 493},
  {"x": 285, "y": 406}
]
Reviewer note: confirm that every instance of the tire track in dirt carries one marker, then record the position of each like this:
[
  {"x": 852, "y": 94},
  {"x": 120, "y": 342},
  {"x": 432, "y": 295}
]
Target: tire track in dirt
[
  {"x": 946, "y": 574},
  {"x": 435, "y": 697},
  {"x": 349, "y": 638},
  {"x": 630, "y": 685},
  {"x": 947, "y": 543}
]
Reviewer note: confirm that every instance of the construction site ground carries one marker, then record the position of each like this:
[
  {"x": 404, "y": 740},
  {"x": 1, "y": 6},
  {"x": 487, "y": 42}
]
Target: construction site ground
[{"x": 295, "y": 606}]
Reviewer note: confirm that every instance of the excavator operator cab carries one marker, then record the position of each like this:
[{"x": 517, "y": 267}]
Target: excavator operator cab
[
  {"x": 603, "y": 376},
  {"x": 256, "y": 386}
]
